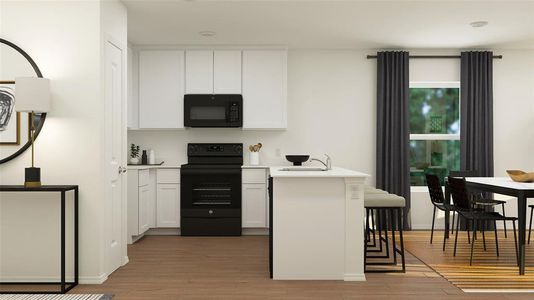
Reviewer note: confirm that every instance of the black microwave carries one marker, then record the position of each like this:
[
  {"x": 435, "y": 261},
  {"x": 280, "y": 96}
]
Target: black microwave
[{"x": 221, "y": 110}]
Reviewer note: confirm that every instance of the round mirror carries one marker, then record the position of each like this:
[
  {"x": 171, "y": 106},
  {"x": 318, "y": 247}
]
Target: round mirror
[{"x": 15, "y": 126}]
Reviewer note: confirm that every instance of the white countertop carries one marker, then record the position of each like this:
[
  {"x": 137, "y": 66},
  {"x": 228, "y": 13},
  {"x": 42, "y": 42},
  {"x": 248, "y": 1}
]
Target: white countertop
[
  {"x": 145, "y": 167},
  {"x": 335, "y": 172}
]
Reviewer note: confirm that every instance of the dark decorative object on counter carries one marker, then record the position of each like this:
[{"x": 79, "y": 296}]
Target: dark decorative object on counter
[
  {"x": 144, "y": 158},
  {"x": 297, "y": 160}
]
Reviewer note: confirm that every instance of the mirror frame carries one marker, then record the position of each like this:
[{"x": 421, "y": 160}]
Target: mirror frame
[{"x": 43, "y": 115}]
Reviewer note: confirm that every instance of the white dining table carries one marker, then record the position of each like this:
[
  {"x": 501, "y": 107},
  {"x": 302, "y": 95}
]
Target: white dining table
[{"x": 505, "y": 186}]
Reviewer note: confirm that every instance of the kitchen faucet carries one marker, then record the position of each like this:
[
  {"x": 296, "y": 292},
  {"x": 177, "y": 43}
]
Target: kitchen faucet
[{"x": 328, "y": 163}]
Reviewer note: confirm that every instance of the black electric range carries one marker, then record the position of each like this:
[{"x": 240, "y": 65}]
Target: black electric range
[{"x": 211, "y": 190}]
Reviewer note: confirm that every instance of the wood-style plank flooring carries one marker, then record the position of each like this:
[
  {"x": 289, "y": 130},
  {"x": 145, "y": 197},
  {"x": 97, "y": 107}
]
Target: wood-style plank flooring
[{"x": 172, "y": 267}]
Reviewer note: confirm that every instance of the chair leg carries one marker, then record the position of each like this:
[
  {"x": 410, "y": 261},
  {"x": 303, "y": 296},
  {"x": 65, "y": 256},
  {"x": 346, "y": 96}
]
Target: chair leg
[
  {"x": 399, "y": 215},
  {"x": 483, "y": 223},
  {"x": 393, "y": 242},
  {"x": 452, "y": 226},
  {"x": 530, "y": 226},
  {"x": 467, "y": 224},
  {"x": 515, "y": 244},
  {"x": 496, "y": 237},
  {"x": 504, "y": 222},
  {"x": 473, "y": 242},
  {"x": 456, "y": 236},
  {"x": 367, "y": 236},
  {"x": 373, "y": 226},
  {"x": 432, "y": 230},
  {"x": 386, "y": 222}
]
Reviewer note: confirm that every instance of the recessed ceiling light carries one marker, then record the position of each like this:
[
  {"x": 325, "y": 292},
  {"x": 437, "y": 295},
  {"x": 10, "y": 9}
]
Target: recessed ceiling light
[
  {"x": 207, "y": 33},
  {"x": 478, "y": 24}
]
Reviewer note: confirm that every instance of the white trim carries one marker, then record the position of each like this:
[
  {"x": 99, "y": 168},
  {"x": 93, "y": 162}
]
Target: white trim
[
  {"x": 354, "y": 277},
  {"x": 434, "y": 137},
  {"x": 500, "y": 291},
  {"x": 434, "y": 84},
  {"x": 82, "y": 280},
  {"x": 297, "y": 276}
]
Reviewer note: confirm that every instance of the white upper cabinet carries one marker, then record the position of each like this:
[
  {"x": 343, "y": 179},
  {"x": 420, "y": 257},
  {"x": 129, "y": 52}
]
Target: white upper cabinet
[
  {"x": 199, "y": 72},
  {"x": 161, "y": 88},
  {"x": 264, "y": 89},
  {"x": 227, "y": 72}
]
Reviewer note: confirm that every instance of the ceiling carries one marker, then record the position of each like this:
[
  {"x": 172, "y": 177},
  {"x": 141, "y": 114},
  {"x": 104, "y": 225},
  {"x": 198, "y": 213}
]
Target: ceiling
[{"x": 333, "y": 24}]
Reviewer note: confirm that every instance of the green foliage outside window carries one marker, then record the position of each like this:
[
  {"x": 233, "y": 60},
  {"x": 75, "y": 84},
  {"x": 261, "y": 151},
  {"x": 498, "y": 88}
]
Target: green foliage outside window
[{"x": 434, "y": 111}]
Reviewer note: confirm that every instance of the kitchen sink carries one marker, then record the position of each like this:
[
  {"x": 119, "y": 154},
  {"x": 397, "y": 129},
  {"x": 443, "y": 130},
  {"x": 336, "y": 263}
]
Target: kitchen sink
[{"x": 302, "y": 169}]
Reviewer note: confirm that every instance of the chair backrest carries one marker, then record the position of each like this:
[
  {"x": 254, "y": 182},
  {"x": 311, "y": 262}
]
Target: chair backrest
[
  {"x": 434, "y": 189},
  {"x": 464, "y": 173},
  {"x": 459, "y": 194}
]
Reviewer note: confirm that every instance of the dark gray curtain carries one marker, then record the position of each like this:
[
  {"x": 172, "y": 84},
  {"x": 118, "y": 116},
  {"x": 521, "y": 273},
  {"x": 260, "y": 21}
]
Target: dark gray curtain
[
  {"x": 393, "y": 132},
  {"x": 476, "y": 129}
]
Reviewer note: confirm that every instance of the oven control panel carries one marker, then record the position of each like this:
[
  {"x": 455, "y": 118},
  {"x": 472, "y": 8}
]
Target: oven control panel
[{"x": 207, "y": 149}]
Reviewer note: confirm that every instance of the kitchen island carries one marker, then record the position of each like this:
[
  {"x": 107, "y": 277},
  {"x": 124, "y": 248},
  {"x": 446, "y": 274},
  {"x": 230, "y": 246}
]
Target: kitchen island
[{"x": 317, "y": 224}]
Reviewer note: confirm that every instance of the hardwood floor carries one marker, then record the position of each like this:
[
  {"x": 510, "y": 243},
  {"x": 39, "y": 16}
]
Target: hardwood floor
[{"x": 171, "y": 267}]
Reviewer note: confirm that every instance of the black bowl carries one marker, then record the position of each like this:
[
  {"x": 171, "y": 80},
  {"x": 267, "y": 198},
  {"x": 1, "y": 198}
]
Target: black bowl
[{"x": 297, "y": 160}]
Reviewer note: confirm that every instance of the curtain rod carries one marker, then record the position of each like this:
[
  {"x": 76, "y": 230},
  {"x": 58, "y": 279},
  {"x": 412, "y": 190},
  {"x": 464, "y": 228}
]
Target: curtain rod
[{"x": 434, "y": 56}]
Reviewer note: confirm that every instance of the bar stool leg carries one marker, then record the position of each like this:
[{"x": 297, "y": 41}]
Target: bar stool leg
[
  {"x": 401, "y": 228},
  {"x": 393, "y": 242},
  {"x": 473, "y": 242},
  {"x": 483, "y": 225},
  {"x": 456, "y": 236},
  {"x": 530, "y": 226},
  {"x": 373, "y": 226}
]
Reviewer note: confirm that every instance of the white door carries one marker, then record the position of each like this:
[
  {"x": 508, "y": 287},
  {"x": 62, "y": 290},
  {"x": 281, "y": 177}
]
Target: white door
[
  {"x": 227, "y": 72},
  {"x": 113, "y": 86},
  {"x": 199, "y": 72},
  {"x": 161, "y": 89},
  {"x": 254, "y": 205},
  {"x": 168, "y": 205},
  {"x": 264, "y": 89}
]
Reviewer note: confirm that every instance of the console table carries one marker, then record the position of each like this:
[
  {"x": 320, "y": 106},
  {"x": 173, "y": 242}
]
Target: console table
[{"x": 62, "y": 189}]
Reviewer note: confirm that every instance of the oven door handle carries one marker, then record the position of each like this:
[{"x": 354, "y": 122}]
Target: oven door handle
[{"x": 210, "y": 171}]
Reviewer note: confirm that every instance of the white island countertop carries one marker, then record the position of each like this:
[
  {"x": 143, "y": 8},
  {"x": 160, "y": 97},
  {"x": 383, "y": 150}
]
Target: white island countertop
[{"x": 335, "y": 172}]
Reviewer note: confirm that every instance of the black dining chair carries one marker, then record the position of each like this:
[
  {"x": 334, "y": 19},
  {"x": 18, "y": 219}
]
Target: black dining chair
[
  {"x": 438, "y": 201},
  {"x": 479, "y": 200},
  {"x": 464, "y": 207}
]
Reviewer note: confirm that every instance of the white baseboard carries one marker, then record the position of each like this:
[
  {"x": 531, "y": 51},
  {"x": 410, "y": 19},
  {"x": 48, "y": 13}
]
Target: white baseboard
[
  {"x": 82, "y": 279},
  {"x": 354, "y": 277},
  {"x": 308, "y": 277},
  {"x": 255, "y": 231}
]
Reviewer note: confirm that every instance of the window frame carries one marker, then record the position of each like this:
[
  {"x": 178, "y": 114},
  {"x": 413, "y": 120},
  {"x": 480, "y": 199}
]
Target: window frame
[{"x": 436, "y": 136}]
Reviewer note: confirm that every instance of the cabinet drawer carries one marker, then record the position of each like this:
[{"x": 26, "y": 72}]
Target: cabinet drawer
[
  {"x": 254, "y": 176},
  {"x": 143, "y": 177},
  {"x": 168, "y": 176}
]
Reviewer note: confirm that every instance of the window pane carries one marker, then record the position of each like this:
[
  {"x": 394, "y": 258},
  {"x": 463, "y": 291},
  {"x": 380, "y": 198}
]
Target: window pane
[
  {"x": 434, "y": 110},
  {"x": 433, "y": 157}
]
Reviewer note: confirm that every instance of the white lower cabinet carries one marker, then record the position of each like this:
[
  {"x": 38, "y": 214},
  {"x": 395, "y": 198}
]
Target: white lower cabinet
[
  {"x": 168, "y": 205},
  {"x": 254, "y": 205},
  {"x": 144, "y": 209}
]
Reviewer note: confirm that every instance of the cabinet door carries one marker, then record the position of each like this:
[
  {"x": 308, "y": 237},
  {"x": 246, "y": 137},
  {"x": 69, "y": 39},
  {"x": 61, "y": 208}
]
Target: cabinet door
[
  {"x": 199, "y": 72},
  {"x": 227, "y": 72},
  {"x": 254, "y": 206},
  {"x": 133, "y": 202},
  {"x": 168, "y": 205},
  {"x": 144, "y": 209},
  {"x": 161, "y": 89},
  {"x": 264, "y": 89}
]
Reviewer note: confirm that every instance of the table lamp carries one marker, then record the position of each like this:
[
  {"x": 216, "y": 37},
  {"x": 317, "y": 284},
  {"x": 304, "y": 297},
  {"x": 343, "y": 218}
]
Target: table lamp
[{"x": 32, "y": 95}]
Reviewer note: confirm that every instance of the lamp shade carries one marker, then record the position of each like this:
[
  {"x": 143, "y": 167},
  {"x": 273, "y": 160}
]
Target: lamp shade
[{"x": 32, "y": 94}]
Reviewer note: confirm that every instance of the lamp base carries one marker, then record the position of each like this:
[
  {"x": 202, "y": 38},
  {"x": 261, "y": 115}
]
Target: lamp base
[{"x": 32, "y": 177}]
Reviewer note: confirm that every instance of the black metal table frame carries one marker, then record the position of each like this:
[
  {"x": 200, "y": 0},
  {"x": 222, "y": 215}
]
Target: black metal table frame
[
  {"x": 62, "y": 189},
  {"x": 521, "y": 195}
]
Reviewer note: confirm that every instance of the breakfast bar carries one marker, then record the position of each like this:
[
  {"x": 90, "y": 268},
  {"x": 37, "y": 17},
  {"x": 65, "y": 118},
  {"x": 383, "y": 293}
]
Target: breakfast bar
[{"x": 317, "y": 224}]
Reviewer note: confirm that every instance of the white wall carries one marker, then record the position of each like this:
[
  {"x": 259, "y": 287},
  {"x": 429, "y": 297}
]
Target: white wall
[
  {"x": 331, "y": 108},
  {"x": 64, "y": 38}
]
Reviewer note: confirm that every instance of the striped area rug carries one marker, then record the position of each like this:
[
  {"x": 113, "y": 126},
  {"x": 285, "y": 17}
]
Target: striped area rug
[
  {"x": 488, "y": 273},
  {"x": 55, "y": 297}
]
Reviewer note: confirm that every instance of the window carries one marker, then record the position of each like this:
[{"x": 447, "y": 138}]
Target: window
[{"x": 434, "y": 109}]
